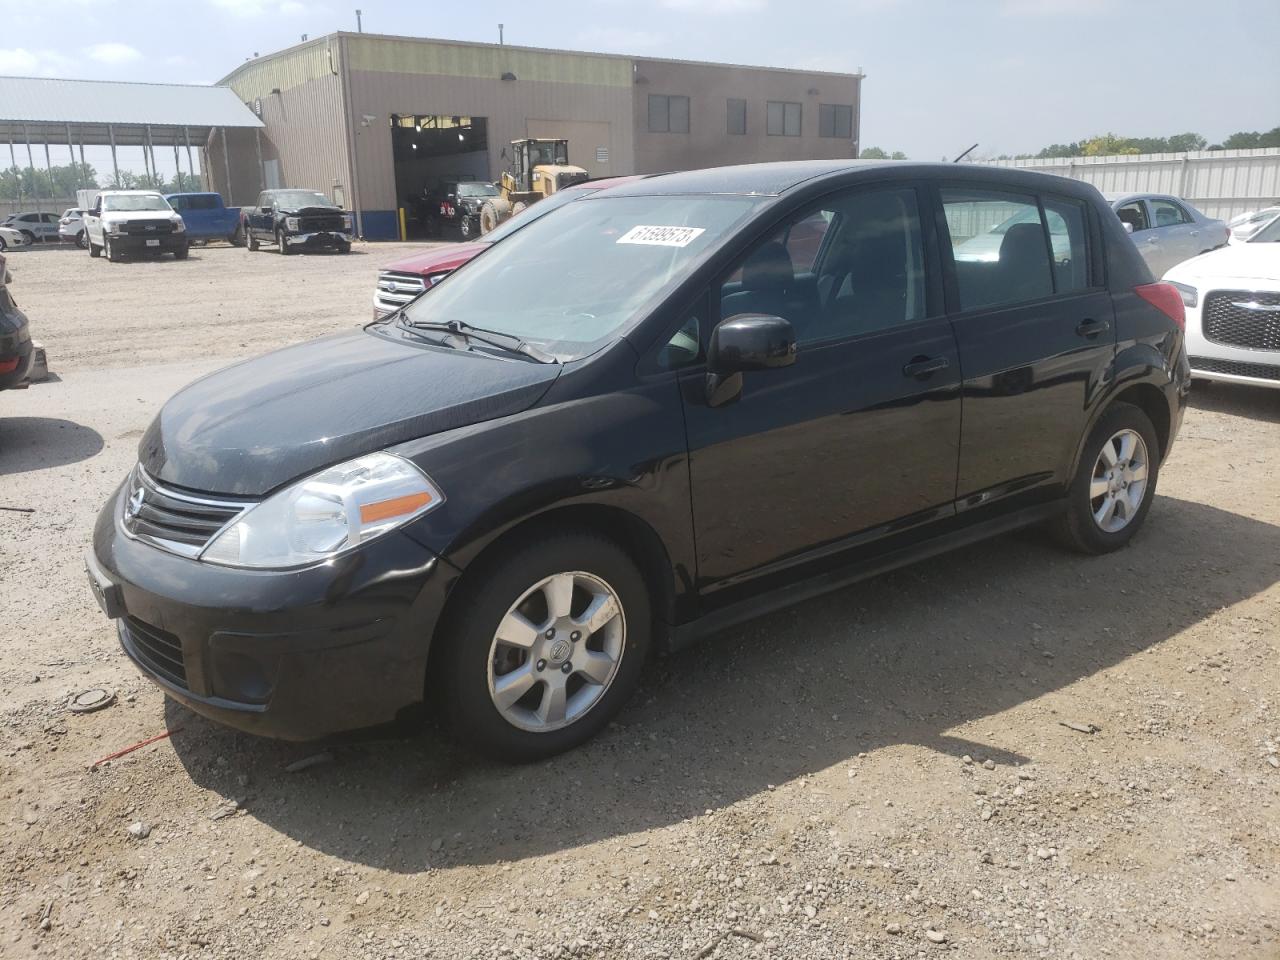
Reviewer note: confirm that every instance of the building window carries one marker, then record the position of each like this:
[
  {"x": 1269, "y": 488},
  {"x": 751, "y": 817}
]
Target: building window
[
  {"x": 668, "y": 114},
  {"x": 737, "y": 116},
  {"x": 784, "y": 119},
  {"x": 835, "y": 120}
]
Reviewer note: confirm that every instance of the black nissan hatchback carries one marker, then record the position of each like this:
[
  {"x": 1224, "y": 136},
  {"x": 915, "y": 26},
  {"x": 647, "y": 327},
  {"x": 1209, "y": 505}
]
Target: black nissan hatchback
[{"x": 666, "y": 408}]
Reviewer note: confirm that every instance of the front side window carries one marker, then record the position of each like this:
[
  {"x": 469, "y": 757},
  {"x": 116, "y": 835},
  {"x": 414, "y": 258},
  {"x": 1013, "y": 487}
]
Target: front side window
[
  {"x": 1134, "y": 214},
  {"x": 737, "y": 121},
  {"x": 668, "y": 114},
  {"x": 1166, "y": 213},
  {"x": 867, "y": 274},
  {"x": 783, "y": 119},
  {"x": 998, "y": 246},
  {"x": 612, "y": 258},
  {"x": 835, "y": 120}
]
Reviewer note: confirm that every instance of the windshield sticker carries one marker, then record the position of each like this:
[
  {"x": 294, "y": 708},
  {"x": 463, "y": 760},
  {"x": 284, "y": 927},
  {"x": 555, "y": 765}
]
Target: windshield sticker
[{"x": 662, "y": 236}]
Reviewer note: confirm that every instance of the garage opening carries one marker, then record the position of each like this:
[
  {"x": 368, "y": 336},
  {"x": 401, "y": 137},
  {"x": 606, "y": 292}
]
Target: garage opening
[{"x": 434, "y": 154}]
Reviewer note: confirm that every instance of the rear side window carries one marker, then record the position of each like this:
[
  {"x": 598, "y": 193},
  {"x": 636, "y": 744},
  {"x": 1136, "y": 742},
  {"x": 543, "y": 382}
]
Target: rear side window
[
  {"x": 1166, "y": 213},
  {"x": 201, "y": 201},
  {"x": 1068, "y": 233},
  {"x": 999, "y": 247}
]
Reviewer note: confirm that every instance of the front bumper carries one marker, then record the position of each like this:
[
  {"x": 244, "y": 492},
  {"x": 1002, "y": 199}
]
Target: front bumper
[
  {"x": 295, "y": 654},
  {"x": 321, "y": 239},
  {"x": 1211, "y": 360},
  {"x": 141, "y": 243}
]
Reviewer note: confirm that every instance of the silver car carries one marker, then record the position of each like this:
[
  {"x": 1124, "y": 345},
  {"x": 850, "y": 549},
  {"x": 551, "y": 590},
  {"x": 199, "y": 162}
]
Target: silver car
[{"x": 1167, "y": 230}]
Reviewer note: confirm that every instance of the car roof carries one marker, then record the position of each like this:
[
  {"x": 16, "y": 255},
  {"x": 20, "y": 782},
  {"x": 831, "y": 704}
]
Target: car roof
[
  {"x": 775, "y": 179},
  {"x": 1114, "y": 197}
]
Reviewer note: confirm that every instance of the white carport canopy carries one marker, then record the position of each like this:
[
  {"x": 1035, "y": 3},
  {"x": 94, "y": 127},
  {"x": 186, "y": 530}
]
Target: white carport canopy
[{"x": 41, "y": 111}]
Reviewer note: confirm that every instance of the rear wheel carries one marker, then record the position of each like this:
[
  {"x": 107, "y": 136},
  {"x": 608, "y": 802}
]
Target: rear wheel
[
  {"x": 1114, "y": 484},
  {"x": 546, "y": 646},
  {"x": 250, "y": 240}
]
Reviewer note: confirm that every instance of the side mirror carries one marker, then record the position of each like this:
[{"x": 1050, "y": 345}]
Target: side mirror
[
  {"x": 748, "y": 341},
  {"x": 1128, "y": 227}
]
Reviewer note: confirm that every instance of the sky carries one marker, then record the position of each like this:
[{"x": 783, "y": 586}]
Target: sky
[{"x": 1011, "y": 75}]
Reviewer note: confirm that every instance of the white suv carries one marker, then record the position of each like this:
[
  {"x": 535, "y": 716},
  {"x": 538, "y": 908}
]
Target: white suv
[{"x": 42, "y": 227}]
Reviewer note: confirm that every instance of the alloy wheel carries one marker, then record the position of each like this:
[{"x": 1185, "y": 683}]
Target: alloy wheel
[
  {"x": 1119, "y": 481},
  {"x": 556, "y": 651}
]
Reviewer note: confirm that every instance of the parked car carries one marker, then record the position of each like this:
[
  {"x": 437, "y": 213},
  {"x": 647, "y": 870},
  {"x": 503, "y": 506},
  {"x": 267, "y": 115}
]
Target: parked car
[
  {"x": 206, "y": 217},
  {"x": 71, "y": 227},
  {"x": 1167, "y": 230},
  {"x": 36, "y": 227},
  {"x": 403, "y": 280},
  {"x": 1232, "y": 299},
  {"x": 293, "y": 219},
  {"x": 130, "y": 222},
  {"x": 11, "y": 239},
  {"x": 15, "y": 336},
  {"x": 595, "y": 442},
  {"x": 454, "y": 206},
  {"x": 1243, "y": 227}
]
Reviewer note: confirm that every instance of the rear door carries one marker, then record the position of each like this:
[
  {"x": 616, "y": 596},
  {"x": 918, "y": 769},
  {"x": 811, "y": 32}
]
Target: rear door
[
  {"x": 1036, "y": 334},
  {"x": 858, "y": 439}
]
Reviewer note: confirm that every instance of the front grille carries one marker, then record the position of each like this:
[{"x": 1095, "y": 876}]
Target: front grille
[
  {"x": 1243, "y": 318},
  {"x": 137, "y": 228},
  {"x": 1237, "y": 368},
  {"x": 157, "y": 650},
  {"x": 176, "y": 520},
  {"x": 318, "y": 224},
  {"x": 395, "y": 289}
]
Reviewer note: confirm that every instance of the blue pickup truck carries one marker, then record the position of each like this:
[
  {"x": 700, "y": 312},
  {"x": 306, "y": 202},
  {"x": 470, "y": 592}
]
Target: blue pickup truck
[{"x": 206, "y": 217}]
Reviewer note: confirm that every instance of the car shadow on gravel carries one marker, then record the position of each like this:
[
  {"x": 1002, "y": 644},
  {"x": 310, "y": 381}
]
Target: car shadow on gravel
[
  {"x": 1237, "y": 400},
  {"x": 36, "y": 443},
  {"x": 900, "y": 659}
]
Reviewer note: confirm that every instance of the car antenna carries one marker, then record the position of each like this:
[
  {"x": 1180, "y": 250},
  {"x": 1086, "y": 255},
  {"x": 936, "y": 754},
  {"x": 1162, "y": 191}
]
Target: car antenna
[{"x": 965, "y": 154}]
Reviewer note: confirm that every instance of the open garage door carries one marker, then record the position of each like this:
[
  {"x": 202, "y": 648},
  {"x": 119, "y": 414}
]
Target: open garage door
[
  {"x": 590, "y": 146},
  {"x": 433, "y": 154}
]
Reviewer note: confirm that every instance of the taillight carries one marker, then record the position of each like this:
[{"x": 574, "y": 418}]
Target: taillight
[{"x": 1165, "y": 298}]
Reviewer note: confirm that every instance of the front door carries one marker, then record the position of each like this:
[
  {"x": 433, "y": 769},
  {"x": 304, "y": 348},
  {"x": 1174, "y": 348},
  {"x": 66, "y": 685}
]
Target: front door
[
  {"x": 1036, "y": 331},
  {"x": 860, "y": 435}
]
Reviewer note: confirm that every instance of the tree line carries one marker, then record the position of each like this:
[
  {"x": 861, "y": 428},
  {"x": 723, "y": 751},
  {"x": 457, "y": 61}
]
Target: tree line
[
  {"x": 1109, "y": 144},
  {"x": 62, "y": 182}
]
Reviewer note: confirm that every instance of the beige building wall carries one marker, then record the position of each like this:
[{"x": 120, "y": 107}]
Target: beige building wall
[{"x": 709, "y": 87}]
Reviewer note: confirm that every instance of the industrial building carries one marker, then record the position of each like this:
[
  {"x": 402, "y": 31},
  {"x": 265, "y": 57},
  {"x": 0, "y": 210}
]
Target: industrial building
[{"x": 372, "y": 120}]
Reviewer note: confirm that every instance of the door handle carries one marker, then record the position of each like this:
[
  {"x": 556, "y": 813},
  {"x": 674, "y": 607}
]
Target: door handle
[
  {"x": 1091, "y": 328},
  {"x": 922, "y": 367}
]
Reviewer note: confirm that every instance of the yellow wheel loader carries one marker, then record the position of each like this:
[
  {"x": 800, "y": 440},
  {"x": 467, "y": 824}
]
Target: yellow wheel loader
[{"x": 539, "y": 168}]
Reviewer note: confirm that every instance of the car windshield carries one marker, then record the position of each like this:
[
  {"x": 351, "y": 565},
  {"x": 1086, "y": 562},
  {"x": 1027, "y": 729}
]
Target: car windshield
[
  {"x": 477, "y": 190},
  {"x": 573, "y": 282},
  {"x": 1268, "y": 234},
  {"x": 135, "y": 202},
  {"x": 296, "y": 199},
  {"x": 535, "y": 212}
]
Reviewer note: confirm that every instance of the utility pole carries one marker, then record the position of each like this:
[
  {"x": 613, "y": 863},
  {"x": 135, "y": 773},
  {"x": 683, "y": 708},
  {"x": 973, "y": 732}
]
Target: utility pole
[{"x": 359, "y": 23}]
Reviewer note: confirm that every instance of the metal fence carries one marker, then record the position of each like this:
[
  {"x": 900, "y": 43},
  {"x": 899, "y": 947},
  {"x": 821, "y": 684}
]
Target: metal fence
[{"x": 1220, "y": 183}]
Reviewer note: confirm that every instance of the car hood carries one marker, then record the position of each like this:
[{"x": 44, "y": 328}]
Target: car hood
[
  {"x": 262, "y": 423},
  {"x": 438, "y": 259},
  {"x": 1246, "y": 261},
  {"x": 310, "y": 211}
]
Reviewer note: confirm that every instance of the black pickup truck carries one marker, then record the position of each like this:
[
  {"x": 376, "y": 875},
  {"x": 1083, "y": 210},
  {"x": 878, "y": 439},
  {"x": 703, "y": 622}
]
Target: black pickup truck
[{"x": 297, "y": 219}]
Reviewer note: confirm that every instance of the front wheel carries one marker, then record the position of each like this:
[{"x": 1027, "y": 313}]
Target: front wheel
[
  {"x": 545, "y": 647},
  {"x": 1114, "y": 483},
  {"x": 109, "y": 250},
  {"x": 181, "y": 253},
  {"x": 30, "y": 237},
  {"x": 284, "y": 247},
  {"x": 250, "y": 241},
  {"x": 3, "y": 246}
]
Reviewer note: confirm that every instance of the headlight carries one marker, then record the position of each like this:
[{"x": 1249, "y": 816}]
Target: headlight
[
  {"x": 291, "y": 224},
  {"x": 178, "y": 225},
  {"x": 435, "y": 278},
  {"x": 327, "y": 514},
  {"x": 1190, "y": 295},
  {"x": 348, "y": 222},
  {"x": 112, "y": 226}
]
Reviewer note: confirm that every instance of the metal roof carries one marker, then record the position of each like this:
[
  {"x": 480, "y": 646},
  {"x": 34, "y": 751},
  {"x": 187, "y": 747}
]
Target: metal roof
[{"x": 35, "y": 100}]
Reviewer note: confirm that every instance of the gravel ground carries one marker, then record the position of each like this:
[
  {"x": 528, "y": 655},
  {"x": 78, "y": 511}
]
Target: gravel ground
[{"x": 884, "y": 772}]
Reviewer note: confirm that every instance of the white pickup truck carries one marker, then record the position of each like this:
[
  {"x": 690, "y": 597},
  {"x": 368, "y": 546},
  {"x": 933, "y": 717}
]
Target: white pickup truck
[{"x": 130, "y": 222}]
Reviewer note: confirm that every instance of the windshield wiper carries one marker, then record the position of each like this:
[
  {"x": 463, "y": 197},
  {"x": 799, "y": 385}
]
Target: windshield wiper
[{"x": 458, "y": 328}]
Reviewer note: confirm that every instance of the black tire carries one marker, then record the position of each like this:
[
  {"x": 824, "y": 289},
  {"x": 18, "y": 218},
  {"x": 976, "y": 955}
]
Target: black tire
[
  {"x": 31, "y": 237},
  {"x": 285, "y": 249},
  {"x": 344, "y": 248},
  {"x": 3, "y": 246},
  {"x": 250, "y": 241},
  {"x": 107, "y": 249},
  {"x": 181, "y": 253},
  {"x": 82, "y": 239},
  {"x": 94, "y": 250},
  {"x": 1076, "y": 527},
  {"x": 465, "y": 229},
  {"x": 460, "y": 663}
]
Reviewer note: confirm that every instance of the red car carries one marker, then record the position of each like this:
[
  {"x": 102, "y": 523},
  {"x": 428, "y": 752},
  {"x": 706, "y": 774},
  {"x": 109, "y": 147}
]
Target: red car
[{"x": 402, "y": 281}]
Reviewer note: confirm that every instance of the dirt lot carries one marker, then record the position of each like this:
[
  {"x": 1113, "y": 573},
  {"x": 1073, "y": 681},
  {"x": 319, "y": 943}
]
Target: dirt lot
[{"x": 880, "y": 773}]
